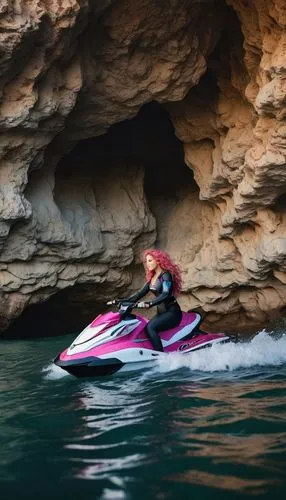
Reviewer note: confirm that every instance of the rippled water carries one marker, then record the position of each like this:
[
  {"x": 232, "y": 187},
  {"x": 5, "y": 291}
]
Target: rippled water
[{"x": 210, "y": 425}]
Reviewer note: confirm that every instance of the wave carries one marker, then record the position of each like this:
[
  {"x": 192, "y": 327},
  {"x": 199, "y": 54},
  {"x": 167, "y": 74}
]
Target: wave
[
  {"x": 262, "y": 350},
  {"x": 53, "y": 372}
]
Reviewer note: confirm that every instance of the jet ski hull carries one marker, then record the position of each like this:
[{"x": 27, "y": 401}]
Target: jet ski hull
[
  {"x": 130, "y": 361},
  {"x": 90, "y": 367}
]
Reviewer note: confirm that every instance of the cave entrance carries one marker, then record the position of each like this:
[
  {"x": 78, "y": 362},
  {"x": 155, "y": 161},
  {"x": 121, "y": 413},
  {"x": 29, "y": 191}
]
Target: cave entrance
[
  {"x": 147, "y": 140},
  {"x": 67, "y": 311}
]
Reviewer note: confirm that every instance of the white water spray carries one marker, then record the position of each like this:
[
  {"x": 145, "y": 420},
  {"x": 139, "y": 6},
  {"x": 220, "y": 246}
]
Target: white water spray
[
  {"x": 53, "y": 372},
  {"x": 262, "y": 350}
]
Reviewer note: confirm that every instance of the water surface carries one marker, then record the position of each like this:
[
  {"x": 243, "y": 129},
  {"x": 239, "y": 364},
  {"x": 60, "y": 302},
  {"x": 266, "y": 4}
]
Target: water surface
[{"x": 211, "y": 425}]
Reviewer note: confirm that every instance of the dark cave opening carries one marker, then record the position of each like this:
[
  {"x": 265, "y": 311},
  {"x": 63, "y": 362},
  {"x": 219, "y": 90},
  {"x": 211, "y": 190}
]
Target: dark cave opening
[
  {"x": 148, "y": 140},
  {"x": 280, "y": 204},
  {"x": 65, "y": 312}
]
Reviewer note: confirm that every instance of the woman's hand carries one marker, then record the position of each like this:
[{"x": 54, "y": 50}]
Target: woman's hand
[{"x": 143, "y": 305}]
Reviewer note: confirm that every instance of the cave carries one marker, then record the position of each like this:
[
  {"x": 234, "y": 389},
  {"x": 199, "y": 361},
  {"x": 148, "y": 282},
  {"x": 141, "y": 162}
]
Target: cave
[
  {"x": 280, "y": 204},
  {"x": 148, "y": 140},
  {"x": 63, "y": 313},
  {"x": 121, "y": 135}
]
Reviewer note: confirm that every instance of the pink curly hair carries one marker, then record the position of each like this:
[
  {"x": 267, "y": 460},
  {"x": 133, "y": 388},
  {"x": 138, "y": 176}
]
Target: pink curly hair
[{"x": 165, "y": 262}]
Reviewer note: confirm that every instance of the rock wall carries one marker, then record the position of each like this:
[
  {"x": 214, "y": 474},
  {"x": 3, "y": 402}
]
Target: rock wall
[
  {"x": 69, "y": 70},
  {"x": 233, "y": 130}
]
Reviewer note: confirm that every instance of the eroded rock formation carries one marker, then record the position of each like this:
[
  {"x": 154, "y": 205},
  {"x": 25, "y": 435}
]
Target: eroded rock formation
[{"x": 68, "y": 71}]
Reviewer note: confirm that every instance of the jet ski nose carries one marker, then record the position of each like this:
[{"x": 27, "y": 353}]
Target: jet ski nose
[{"x": 89, "y": 367}]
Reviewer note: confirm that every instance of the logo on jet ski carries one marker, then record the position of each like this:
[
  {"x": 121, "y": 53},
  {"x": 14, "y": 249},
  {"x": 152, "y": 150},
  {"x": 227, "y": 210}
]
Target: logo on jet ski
[{"x": 183, "y": 347}]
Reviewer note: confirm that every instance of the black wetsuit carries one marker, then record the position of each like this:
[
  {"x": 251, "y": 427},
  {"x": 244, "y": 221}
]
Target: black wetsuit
[{"x": 169, "y": 313}]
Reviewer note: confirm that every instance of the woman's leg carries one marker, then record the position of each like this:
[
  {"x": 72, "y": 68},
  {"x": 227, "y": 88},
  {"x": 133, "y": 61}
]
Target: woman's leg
[{"x": 159, "y": 323}]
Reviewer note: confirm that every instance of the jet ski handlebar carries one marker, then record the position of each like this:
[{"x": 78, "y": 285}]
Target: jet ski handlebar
[
  {"x": 112, "y": 302},
  {"x": 124, "y": 305}
]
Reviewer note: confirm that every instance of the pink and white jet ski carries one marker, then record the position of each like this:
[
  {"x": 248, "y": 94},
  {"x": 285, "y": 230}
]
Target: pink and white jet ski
[{"x": 116, "y": 341}]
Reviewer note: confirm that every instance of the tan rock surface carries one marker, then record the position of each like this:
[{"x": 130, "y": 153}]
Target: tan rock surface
[
  {"x": 235, "y": 144},
  {"x": 69, "y": 70}
]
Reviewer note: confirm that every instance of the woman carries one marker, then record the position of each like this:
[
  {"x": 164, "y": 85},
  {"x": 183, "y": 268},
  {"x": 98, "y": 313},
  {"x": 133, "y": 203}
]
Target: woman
[{"x": 164, "y": 281}]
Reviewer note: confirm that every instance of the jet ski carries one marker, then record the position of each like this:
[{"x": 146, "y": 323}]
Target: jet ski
[{"x": 116, "y": 341}]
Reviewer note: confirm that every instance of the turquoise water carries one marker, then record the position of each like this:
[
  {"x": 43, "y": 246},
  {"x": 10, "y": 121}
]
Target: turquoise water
[{"x": 210, "y": 426}]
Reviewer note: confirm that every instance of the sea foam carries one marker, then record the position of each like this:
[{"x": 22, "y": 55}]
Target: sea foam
[
  {"x": 262, "y": 350},
  {"x": 53, "y": 372}
]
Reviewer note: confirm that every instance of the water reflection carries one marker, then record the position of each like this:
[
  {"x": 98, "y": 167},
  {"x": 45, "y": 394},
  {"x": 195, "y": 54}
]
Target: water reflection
[
  {"x": 235, "y": 428},
  {"x": 111, "y": 425},
  {"x": 229, "y": 405},
  {"x": 227, "y": 482},
  {"x": 221, "y": 436},
  {"x": 98, "y": 469}
]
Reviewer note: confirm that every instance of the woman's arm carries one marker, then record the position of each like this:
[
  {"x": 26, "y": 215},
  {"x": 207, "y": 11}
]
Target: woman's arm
[{"x": 141, "y": 293}]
